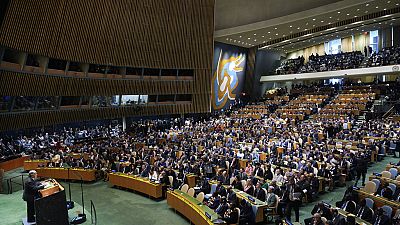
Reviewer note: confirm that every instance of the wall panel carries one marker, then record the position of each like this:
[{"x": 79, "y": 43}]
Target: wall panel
[{"x": 28, "y": 84}]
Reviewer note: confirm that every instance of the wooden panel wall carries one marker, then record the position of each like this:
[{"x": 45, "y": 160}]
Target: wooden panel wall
[
  {"x": 175, "y": 34},
  {"x": 29, "y": 84},
  {"x": 14, "y": 121},
  {"x": 151, "y": 33}
]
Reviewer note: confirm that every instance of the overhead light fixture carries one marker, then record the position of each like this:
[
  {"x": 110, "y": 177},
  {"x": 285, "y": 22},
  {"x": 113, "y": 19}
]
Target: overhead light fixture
[
  {"x": 248, "y": 38},
  {"x": 377, "y": 7},
  {"x": 255, "y": 34},
  {"x": 367, "y": 4},
  {"x": 313, "y": 19},
  {"x": 290, "y": 26},
  {"x": 348, "y": 14},
  {"x": 338, "y": 12},
  {"x": 276, "y": 28},
  {"x": 240, "y": 36}
]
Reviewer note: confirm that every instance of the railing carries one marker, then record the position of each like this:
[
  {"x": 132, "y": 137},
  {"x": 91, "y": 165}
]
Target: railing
[
  {"x": 389, "y": 112},
  {"x": 93, "y": 212},
  {"x": 10, "y": 182}
]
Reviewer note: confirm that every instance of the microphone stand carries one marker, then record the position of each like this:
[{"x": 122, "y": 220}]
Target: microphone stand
[
  {"x": 70, "y": 203},
  {"x": 81, "y": 218}
]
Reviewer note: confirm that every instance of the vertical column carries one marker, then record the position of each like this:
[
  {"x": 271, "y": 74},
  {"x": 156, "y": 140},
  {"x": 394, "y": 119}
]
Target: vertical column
[{"x": 123, "y": 123}]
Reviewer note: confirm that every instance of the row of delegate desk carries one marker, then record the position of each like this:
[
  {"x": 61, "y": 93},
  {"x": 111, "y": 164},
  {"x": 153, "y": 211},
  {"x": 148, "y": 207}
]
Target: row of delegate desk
[{"x": 378, "y": 200}]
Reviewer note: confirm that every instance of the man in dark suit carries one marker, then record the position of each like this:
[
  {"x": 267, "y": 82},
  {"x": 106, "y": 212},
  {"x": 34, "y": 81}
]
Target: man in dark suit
[
  {"x": 349, "y": 205},
  {"x": 322, "y": 210},
  {"x": 363, "y": 211},
  {"x": 259, "y": 193},
  {"x": 231, "y": 195},
  {"x": 380, "y": 218},
  {"x": 30, "y": 193}
]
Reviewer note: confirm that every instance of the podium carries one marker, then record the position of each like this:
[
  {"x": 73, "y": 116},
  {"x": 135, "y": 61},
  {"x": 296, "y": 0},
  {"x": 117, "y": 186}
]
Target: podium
[{"x": 51, "y": 207}]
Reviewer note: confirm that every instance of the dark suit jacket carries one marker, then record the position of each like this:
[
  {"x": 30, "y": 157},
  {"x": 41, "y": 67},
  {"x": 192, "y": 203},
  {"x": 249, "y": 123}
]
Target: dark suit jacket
[
  {"x": 324, "y": 211},
  {"x": 383, "y": 220},
  {"x": 232, "y": 217},
  {"x": 351, "y": 206},
  {"x": 364, "y": 213},
  {"x": 259, "y": 194},
  {"x": 31, "y": 189}
]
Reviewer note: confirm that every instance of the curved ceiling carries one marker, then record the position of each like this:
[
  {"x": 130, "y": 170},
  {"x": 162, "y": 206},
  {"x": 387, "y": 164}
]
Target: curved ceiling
[
  {"x": 279, "y": 31},
  {"x": 233, "y": 13}
]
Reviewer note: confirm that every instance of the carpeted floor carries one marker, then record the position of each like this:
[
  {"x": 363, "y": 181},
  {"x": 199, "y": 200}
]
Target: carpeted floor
[{"x": 122, "y": 207}]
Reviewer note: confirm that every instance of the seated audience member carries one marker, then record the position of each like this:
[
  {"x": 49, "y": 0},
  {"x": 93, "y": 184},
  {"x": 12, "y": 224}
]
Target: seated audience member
[
  {"x": 220, "y": 189},
  {"x": 349, "y": 205},
  {"x": 231, "y": 215},
  {"x": 237, "y": 183},
  {"x": 380, "y": 218},
  {"x": 223, "y": 206},
  {"x": 246, "y": 213},
  {"x": 363, "y": 211},
  {"x": 385, "y": 191},
  {"x": 214, "y": 201},
  {"x": 278, "y": 176},
  {"x": 337, "y": 219},
  {"x": 259, "y": 193},
  {"x": 249, "y": 187},
  {"x": 231, "y": 195},
  {"x": 316, "y": 220},
  {"x": 321, "y": 209},
  {"x": 271, "y": 197}
]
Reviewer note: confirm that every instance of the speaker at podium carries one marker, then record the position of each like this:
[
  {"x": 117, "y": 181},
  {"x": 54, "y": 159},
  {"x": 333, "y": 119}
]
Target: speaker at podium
[{"x": 51, "y": 207}]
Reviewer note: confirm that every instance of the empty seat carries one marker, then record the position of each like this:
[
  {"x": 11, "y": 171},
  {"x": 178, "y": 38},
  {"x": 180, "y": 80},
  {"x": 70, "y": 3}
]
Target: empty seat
[
  {"x": 184, "y": 188},
  {"x": 370, "y": 187},
  {"x": 387, "y": 210},
  {"x": 369, "y": 202},
  {"x": 393, "y": 171},
  {"x": 190, "y": 192},
  {"x": 386, "y": 174},
  {"x": 377, "y": 182},
  {"x": 200, "y": 196}
]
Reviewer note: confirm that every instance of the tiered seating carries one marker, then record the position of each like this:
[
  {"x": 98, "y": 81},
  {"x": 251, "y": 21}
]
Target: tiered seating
[
  {"x": 346, "y": 105},
  {"x": 302, "y": 106}
]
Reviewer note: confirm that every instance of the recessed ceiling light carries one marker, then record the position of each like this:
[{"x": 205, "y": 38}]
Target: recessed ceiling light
[
  {"x": 248, "y": 38},
  {"x": 255, "y": 39},
  {"x": 269, "y": 32},
  {"x": 358, "y": 9},
  {"x": 276, "y": 34},
  {"x": 255, "y": 34},
  {"x": 385, "y": 9},
  {"x": 348, "y": 14},
  {"x": 355, "y": 16},
  {"x": 313, "y": 19},
  {"x": 276, "y": 28},
  {"x": 262, "y": 36},
  {"x": 290, "y": 26},
  {"x": 338, "y": 12},
  {"x": 298, "y": 28},
  {"x": 377, "y": 7},
  {"x": 322, "y": 21},
  {"x": 367, "y": 4}
]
